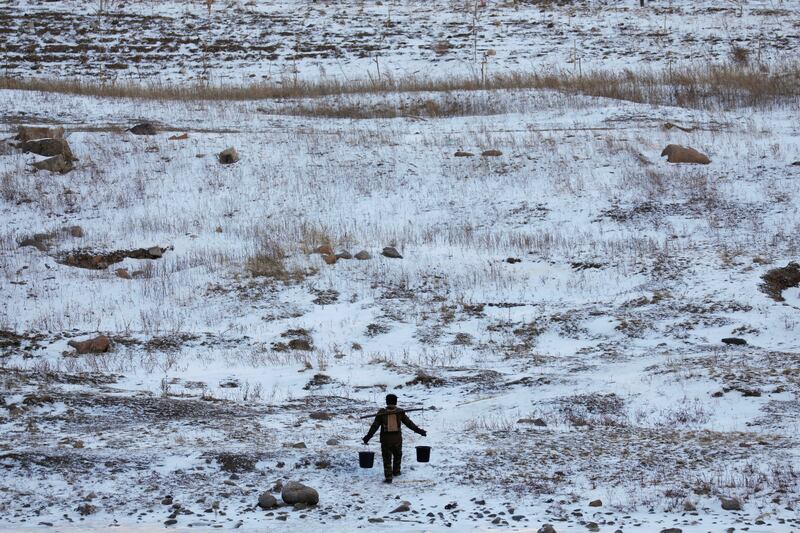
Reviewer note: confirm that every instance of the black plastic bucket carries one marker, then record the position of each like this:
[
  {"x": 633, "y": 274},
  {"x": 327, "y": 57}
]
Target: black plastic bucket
[
  {"x": 366, "y": 459},
  {"x": 423, "y": 454}
]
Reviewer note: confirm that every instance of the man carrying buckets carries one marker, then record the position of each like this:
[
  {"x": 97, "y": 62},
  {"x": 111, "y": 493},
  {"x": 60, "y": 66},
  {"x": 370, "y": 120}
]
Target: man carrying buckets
[{"x": 389, "y": 421}]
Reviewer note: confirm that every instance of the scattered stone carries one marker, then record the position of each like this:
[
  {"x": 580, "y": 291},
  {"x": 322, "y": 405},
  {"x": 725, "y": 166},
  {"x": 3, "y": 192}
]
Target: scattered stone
[
  {"x": 170, "y": 522},
  {"x": 99, "y": 344},
  {"x": 267, "y": 501},
  {"x": 300, "y": 344},
  {"x": 344, "y": 254},
  {"x": 122, "y": 273},
  {"x": 734, "y": 341},
  {"x": 391, "y": 252},
  {"x": 320, "y": 415},
  {"x": 363, "y": 255},
  {"x": 228, "y": 156},
  {"x": 404, "y": 507},
  {"x": 517, "y": 517},
  {"x": 730, "y": 504},
  {"x": 778, "y": 280},
  {"x": 592, "y": 526},
  {"x": 512, "y": 260},
  {"x": 30, "y": 133},
  {"x": 76, "y": 231},
  {"x": 681, "y": 154},
  {"x": 86, "y": 509},
  {"x": 329, "y": 259},
  {"x": 324, "y": 250},
  {"x": 450, "y": 506},
  {"x": 167, "y": 500},
  {"x": 145, "y": 128},
  {"x": 58, "y": 164},
  {"x": 595, "y": 503},
  {"x": 181, "y": 137},
  {"x": 461, "y": 153},
  {"x": 672, "y": 530},
  {"x": 535, "y": 421},
  {"x": 491, "y": 153},
  {"x": 689, "y": 507},
  {"x": 547, "y": 528},
  {"x": 155, "y": 252},
  {"x": 295, "y": 492},
  {"x": 49, "y": 148},
  {"x": 375, "y": 520},
  {"x": 40, "y": 241},
  {"x": 299, "y": 445},
  {"x": 332, "y": 442},
  {"x": 236, "y": 462}
]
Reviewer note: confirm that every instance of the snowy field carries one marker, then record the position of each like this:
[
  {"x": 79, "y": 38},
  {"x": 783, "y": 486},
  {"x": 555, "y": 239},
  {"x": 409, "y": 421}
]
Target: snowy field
[{"x": 559, "y": 306}]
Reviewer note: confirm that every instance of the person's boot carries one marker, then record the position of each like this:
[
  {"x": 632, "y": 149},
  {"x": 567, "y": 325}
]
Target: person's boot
[
  {"x": 387, "y": 480},
  {"x": 395, "y": 474}
]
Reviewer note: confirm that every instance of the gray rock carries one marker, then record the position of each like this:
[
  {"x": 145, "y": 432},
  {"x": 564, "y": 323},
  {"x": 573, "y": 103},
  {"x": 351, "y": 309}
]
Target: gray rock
[
  {"x": 404, "y": 507},
  {"x": 547, "y": 528},
  {"x": 735, "y": 341},
  {"x": 228, "y": 156},
  {"x": 363, "y": 255},
  {"x": 672, "y": 530},
  {"x": 267, "y": 501},
  {"x": 49, "y": 148},
  {"x": 145, "y": 128},
  {"x": 344, "y": 254},
  {"x": 57, "y": 164},
  {"x": 320, "y": 415},
  {"x": 332, "y": 442},
  {"x": 391, "y": 252},
  {"x": 29, "y": 133},
  {"x": 595, "y": 503},
  {"x": 155, "y": 252},
  {"x": 592, "y": 526},
  {"x": 294, "y": 492},
  {"x": 730, "y": 504}
]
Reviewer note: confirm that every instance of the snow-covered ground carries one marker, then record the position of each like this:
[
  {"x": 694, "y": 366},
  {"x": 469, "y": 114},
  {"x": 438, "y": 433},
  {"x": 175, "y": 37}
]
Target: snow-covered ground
[{"x": 559, "y": 308}]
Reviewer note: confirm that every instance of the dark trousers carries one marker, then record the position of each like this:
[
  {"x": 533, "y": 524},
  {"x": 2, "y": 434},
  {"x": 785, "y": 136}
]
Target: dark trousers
[{"x": 392, "y": 454}]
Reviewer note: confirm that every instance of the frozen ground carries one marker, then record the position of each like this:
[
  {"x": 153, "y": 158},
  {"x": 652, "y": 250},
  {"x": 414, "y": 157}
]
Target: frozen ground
[
  {"x": 354, "y": 40},
  {"x": 559, "y": 308},
  {"x": 608, "y": 329}
]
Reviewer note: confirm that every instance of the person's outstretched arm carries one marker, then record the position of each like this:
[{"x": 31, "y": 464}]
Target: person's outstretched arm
[
  {"x": 375, "y": 426},
  {"x": 412, "y": 426}
]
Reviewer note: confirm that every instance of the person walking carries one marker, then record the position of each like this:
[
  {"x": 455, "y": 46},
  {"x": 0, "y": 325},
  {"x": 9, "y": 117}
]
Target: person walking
[{"x": 389, "y": 421}]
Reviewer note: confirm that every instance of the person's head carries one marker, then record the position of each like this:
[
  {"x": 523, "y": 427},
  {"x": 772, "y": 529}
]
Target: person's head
[{"x": 391, "y": 399}]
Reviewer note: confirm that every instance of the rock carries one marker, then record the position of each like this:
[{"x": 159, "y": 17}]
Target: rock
[
  {"x": 734, "y": 341},
  {"x": 491, "y": 153},
  {"x": 58, "y": 164},
  {"x": 672, "y": 530},
  {"x": 320, "y": 415},
  {"x": 592, "y": 526},
  {"x": 100, "y": 344},
  {"x": 76, "y": 231},
  {"x": 547, "y": 528},
  {"x": 324, "y": 250},
  {"x": 40, "y": 241},
  {"x": 375, "y": 520},
  {"x": 329, "y": 259},
  {"x": 461, "y": 153},
  {"x": 181, "y": 137},
  {"x": 30, "y": 133},
  {"x": 167, "y": 500},
  {"x": 155, "y": 252},
  {"x": 300, "y": 344},
  {"x": 170, "y": 522},
  {"x": 730, "y": 504},
  {"x": 363, "y": 255},
  {"x": 49, "y": 148},
  {"x": 512, "y": 260},
  {"x": 391, "y": 252},
  {"x": 681, "y": 154},
  {"x": 450, "y": 506},
  {"x": 228, "y": 156},
  {"x": 299, "y": 445},
  {"x": 404, "y": 507},
  {"x": 122, "y": 273},
  {"x": 295, "y": 492},
  {"x": 267, "y": 501},
  {"x": 332, "y": 442},
  {"x": 595, "y": 503},
  {"x": 535, "y": 421},
  {"x": 517, "y": 517},
  {"x": 86, "y": 509},
  {"x": 344, "y": 254},
  {"x": 145, "y": 128}
]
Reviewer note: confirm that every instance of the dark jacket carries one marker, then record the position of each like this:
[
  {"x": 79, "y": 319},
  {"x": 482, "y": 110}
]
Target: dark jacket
[{"x": 390, "y": 427}]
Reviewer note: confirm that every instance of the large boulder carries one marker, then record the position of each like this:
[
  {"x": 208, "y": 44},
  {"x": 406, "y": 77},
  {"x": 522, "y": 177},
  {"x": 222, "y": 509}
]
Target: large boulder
[
  {"x": 49, "y": 148},
  {"x": 100, "y": 344},
  {"x": 391, "y": 252},
  {"x": 267, "y": 501},
  {"x": 682, "y": 154},
  {"x": 29, "y": 133},
  {"x": 57, "y": 163},
  {"x": 295, "y": 492}
]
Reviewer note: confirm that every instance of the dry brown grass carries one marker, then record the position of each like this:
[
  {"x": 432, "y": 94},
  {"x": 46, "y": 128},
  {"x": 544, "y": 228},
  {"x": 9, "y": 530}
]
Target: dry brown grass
[{"x": 711, "y": 86}]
